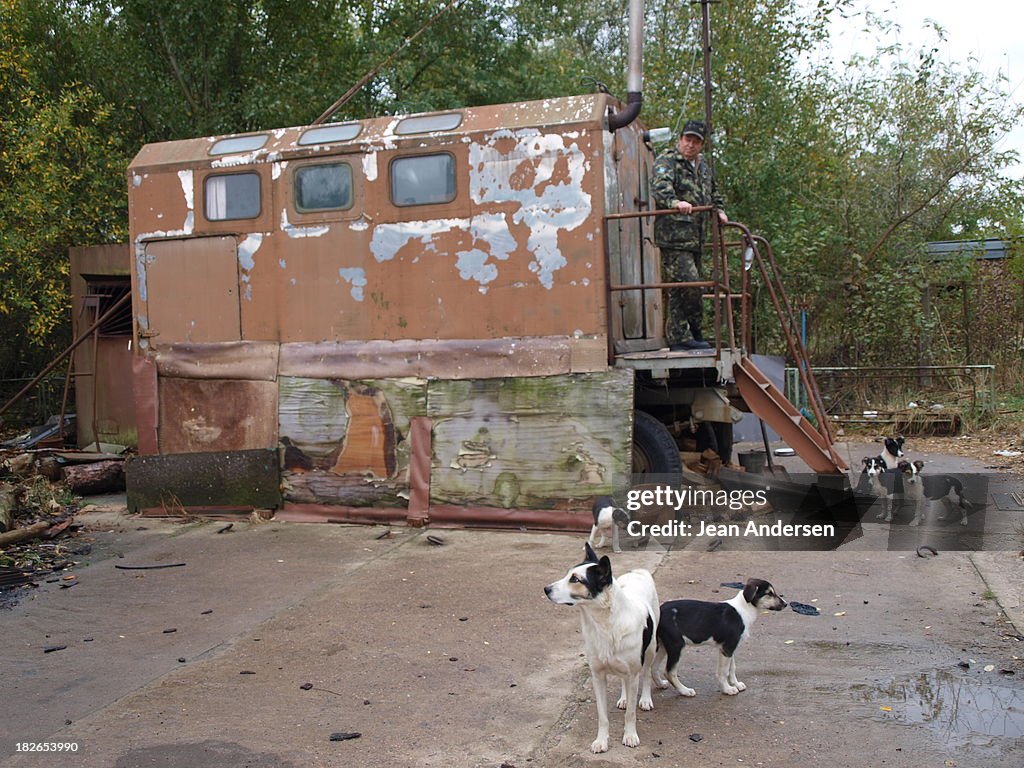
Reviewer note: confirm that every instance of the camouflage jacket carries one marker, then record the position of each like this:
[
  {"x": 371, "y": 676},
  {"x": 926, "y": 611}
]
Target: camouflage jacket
[{"x": 675, "y": 178}]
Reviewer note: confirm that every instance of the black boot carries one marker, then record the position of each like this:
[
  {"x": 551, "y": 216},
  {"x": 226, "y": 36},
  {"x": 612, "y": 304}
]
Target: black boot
[{"x": 695, "y": 329}]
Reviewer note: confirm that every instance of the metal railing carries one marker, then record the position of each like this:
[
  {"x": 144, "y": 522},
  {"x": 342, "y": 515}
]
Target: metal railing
[{"x": 754, "y": 252}]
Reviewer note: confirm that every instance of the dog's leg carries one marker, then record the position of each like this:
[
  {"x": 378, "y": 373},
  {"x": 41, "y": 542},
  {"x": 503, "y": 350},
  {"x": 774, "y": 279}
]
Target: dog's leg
[
  {"x": 659, "y": 669},
  {"x": 918, "y": 512},
  {"x": 629, "y": 734},
  {"x": 615, "y": 538},
  {"x": 674, "y": 655},
  {"x": 600, "y": 683},
  {"x": 732, "y": 675},
  {"x": 724, "y": 664},
  {"x": 621, "y": 703},
  {"x": 646, "y": 700},
  {"x": 887, "y": 506},
  {"x": 947, "y": 507}
]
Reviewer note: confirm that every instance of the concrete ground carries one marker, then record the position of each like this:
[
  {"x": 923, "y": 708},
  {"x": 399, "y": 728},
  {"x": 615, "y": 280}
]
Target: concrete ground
[{"x": 448, "y": 654}]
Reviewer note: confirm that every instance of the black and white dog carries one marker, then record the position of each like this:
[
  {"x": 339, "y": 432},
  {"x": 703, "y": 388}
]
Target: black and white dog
[
  {"x": 608, "y": 519},
  {"x": 877, "y": 481},
  {"x": 619, "y": 619},
  {"x": 724, "y": 623},
  {"x": 893, "y": 450},
  {"x": 919, "y": 490}
]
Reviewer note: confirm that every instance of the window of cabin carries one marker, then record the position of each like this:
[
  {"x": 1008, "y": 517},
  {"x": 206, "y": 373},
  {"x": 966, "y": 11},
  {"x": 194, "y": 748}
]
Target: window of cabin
[
  {"x": 239, "y": 144},
  {"x": 423, "y": 179},
  {"x": 232, "y": 196},
  {"x": 101, "y": 295},
  {"x": 330, "y": 133},
  {"x": 428, "y": 123},
  {"x": 323, "y": 187}
]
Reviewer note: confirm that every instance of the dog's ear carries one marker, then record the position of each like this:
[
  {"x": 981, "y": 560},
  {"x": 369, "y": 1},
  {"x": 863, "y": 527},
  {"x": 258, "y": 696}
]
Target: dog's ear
[
  {"x": 604, "y": 573},
  {"x": 865, "y": 460},
  {"x": 919, "y": 464},
  {"x": 903, "y": 466},
  {"x": 883, "y": 462},
  {"x": 591, "y": 554},
  {"x": 750, "y": 590}
]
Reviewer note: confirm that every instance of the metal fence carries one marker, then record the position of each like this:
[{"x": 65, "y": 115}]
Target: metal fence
[{"x": 921, "y": 399}]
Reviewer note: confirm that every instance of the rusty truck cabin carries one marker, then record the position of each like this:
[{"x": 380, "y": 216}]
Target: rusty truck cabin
[{"x": 403, "y": 317}]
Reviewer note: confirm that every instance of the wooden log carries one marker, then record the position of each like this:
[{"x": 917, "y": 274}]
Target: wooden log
[
  {"x": 7, "y": 500},
  {"x": 98, "y": 477},
  {"x": 29, "y": 532}
]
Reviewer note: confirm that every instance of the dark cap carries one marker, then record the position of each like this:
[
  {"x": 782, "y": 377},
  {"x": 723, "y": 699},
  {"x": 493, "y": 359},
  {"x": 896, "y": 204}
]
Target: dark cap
[{"x": 695, "y": 128}]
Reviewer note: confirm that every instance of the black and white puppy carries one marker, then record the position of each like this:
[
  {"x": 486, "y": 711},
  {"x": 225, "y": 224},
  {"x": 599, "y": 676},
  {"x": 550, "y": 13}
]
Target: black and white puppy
[
  {"x": 893, "y": 450},
  {"x": 876, "y": 481},
  {"x": 920, "y": 490},
  {"x": 724, "y": 623},
  {"x": 619, "y": 619},
  {"x": 608, "y": 519}
]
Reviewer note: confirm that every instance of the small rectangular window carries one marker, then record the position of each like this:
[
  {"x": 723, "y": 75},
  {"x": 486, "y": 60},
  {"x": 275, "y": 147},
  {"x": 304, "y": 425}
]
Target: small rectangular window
[
  {"x": 233, "y": 196},
  {"x": 330, "y": 133},
  {"x": 239, "y": 144},
  {"x": 323, "y": 187},
  {"x": 423, "y": 179},
  {"x": 428, "y": 123}
]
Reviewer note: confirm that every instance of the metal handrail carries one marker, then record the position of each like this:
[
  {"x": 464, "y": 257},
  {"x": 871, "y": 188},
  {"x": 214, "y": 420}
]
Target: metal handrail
[{"x": 768, "y": 268}]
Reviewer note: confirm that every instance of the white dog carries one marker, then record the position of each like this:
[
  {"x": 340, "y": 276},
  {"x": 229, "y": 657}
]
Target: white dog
[{"x": 619, "y": 618}]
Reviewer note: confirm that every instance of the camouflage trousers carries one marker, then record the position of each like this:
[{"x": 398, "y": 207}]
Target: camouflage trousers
[{"x": 684, "y": 307}]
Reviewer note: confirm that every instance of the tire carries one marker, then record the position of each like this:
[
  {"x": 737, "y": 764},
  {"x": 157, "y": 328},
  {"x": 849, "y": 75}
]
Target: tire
[{"x": 654, "y": 450}]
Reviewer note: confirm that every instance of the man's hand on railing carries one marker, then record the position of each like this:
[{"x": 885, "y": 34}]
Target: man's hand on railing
[{"x": 683, "y": 207}]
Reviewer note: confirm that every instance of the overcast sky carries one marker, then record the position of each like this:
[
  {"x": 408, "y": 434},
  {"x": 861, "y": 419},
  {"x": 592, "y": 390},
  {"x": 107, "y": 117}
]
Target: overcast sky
[{"x": 991, "y": 31}]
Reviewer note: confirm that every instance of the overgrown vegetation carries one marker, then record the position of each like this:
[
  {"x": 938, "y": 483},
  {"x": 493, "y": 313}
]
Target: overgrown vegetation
[{"x": 847, "y": 175}]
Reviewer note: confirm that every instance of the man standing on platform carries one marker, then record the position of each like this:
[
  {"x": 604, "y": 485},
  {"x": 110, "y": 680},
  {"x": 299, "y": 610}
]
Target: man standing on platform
[{"x": 683, "y": 180}]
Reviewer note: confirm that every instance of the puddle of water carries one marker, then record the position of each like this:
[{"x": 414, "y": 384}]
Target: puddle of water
[{"x": 957, "y": 709}]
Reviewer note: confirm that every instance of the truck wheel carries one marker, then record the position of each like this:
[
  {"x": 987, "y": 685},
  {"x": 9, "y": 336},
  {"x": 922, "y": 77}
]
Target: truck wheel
[{"x": 654, "y": 450}]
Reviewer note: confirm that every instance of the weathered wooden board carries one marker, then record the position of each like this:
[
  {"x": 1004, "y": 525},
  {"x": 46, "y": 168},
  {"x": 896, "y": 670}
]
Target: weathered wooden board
[
  {"x": 347, "y": 442},
  {"x": 530, "y": 442}
]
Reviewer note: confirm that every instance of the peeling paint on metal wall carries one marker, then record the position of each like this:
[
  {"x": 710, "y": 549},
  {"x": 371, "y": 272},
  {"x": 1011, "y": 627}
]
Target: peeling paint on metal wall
[{"x": 547, "y": 204}]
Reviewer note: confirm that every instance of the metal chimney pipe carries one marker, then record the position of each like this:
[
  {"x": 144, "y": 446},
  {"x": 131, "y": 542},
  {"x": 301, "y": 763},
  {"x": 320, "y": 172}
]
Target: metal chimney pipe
[{"x": 635, "y": 71}]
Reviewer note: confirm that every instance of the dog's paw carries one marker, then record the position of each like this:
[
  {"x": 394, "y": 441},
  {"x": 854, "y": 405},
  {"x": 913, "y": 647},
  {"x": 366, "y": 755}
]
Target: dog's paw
[
  {"x": 621, "y": 703},
  {"x": 741, "y": 686},
  {"x": 888, "y": 518},
  {"x": 661, "y": 682},
  {"x": 880, "y": 515},
  {"x": 684, "y": 691},
  {"x": 599, "y": 745},
  {"x": 631, "y": 739},
  {"x": 964, "y": 521},
  {"x": 646, "y": 703},
  {"x": 730, "y": 690},
  {"x": 915, "y": 522}
]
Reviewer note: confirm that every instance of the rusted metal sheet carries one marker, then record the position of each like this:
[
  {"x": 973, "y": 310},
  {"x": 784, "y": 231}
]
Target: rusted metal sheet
[
  {"x": 146, "y": 400},
  {"x": 188, "y": 291},
  {"x": 222, "y": 479},
  {"x": 528, "y": 442},
  {"x": 252, "y": 360},
  {"x": 216, "y": 415},
  {"x": 419, "y": 471},
  {"x": 519, "y": 232},
  {"x": 454, "y": 359}
]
